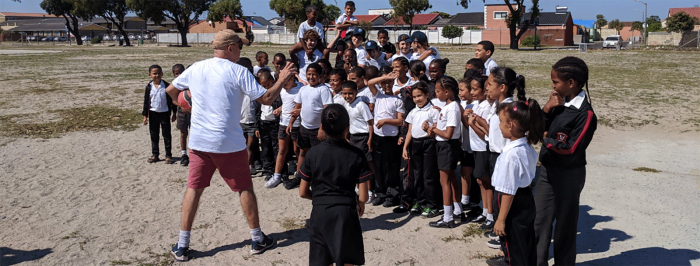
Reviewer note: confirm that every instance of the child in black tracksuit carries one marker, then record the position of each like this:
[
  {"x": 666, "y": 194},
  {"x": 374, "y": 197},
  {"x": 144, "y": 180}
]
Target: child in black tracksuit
[
  {"x": 157, "y": 107},
  {"x": 334, "y": 168},
  {"x": 570, "y": 123}
]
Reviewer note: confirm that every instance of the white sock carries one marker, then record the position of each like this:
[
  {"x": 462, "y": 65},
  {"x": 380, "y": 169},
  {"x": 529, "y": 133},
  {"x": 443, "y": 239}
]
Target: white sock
[
  {"x": 184, "y": 152},
  {"x": 465, "y": 200},
  {"x": 184, "y": 240},
  {"x": 485, "y": 212},
  {"x": 489, "y": 216},
  {"x": 256, "y": 234},
  {"x": 276, "y": 176},
  {"x": 458, "y": 208},
  {"x": 447, "y": 215}
]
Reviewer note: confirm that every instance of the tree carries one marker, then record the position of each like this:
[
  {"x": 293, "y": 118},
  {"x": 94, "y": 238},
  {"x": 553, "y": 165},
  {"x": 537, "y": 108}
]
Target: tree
[
  {"x": 183, "y": 12},
  {"x": 113, "y": 11},
  {"x": 408, "y": 9},
  {"x": 451, "y": 32},
  {"x": 64, "y": 9},
  {"x": 515, "y": 18},
  {"x": 616, "y": 24},
  {"x": 680, "y": 22},
  {"x": 654, "y": 24},
  {"x": 442, "y": 14},
  {"x": 637, "y": 25},
  {"x": 600, "y": 21},
  {"x": 221, "y": 9},
  {"x": 365, "y": 25},
  {"x": 293, "y": 11}
]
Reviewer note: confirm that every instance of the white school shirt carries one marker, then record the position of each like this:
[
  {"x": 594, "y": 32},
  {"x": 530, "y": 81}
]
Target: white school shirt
[
  {"x": 465, "y": 128},
  {"x": 437, "y": 102},
  {"x": 305, "y": 61},
  {"x": 418, "y": 115},
  {"x": 288, "y": 104},
  {"x": 344, "y": 17},
  {"x": 366, "y": 95},
  {"x": 496, "y": 139},
  {"x": 248, "y": 110},
  {"x": 266, "y": 112},
  {"x": 515, "y": 167},
  {"x": 312, "y": 100},
  {"x": 396, "y": 87},
  {"x": 398, "y": 54},
  {"x": 359, "y": 115},
  {"x": 304, "y": 26},
  {"x": 428, "y": 59},
  {"x": 450, "y": 117},
  {"x": 217, "y": 86},
  {"x": 482, "y": 109},
  {"x": 159, "y": 102},
  {"x": 361, "y": 56},
  {"x": 257, "y": 68},
  {"x": 379, "y": 62},
  {"x": 488, "y": 66},
  {"x": 387, "y": 107},
  {"x": 337, "y": 98}
]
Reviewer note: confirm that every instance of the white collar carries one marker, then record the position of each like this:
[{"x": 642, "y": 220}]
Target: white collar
[
  {"x": 510, "y": 144},
  {"x": 576, "y": 101},
  {"x": 488, "y": 61},
  {"x": 426, "y": 107},
  {"x": 159, "y": 85}
]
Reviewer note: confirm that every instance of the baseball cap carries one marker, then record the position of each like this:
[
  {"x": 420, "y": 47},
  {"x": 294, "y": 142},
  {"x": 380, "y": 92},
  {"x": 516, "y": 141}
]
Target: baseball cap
[
  {"x": 404, "y": 38},
  {"x": 371, "y": 45},
  {"x": 418, "y": 36},
  {"x": 227, "y": 37},
  {"x": 359, "y": 32}
]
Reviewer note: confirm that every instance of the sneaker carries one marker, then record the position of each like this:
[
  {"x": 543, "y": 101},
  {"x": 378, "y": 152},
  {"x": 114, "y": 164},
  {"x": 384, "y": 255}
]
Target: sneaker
[
  {"x": 416, "y": 209},
  {"x": 497, "y": 261},
  {"x": 401, "y": 208},
  {"x": 267, "y": 176},
  {"x": 185, "y": 160},
  {"x": 370, "y": 199},
  {"x": 390, "y": 202},
  {"x": 479, "y": 219},
  {"x": 459, "y": 218},
  {"x": 429, "y": 213},
  {"x": 494, "y": 244},
  {"x": 292, "y": 184},
  {"x": 442, "y": 224},
  {"x": 253, "y": 171},
  {"x": 491, "y": 235},
  {"x": 260, "y": 247},
  {"x": 488, "y": 225},
  {"x": 377, "y": 201},
  {"x": 180, "y": 253},
  {"x": 273, "y": 182}
]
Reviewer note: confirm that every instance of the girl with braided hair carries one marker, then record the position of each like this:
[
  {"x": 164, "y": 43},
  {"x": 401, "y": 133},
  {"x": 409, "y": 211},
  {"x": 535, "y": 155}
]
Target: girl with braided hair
[{"x": 570, "y": 123}]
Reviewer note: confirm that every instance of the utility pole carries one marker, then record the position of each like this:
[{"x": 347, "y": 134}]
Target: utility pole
[{"x": 645, "y": 20}]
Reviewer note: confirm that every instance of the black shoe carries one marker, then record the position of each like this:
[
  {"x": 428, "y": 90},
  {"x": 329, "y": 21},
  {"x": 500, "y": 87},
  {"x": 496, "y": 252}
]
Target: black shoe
[
  {"x": 377, "y": 200},
  {"x": 488, "y": 225},
  {"x": 494, "y": 243},
  {"x": 292, "y": 184},
  {"x": 416, "y": 209},
  {"x": 497, "y": 261},
  {"x": 491, "y": 235},
  {"x": 389, "y": 202},
  {"x": 442, "y": 224},
  {"x": 180, "y": 253},
  {"x": 430, "y": 213},
  {"x": 401, "y": 208},
  {"x": 260, "y": 247},
  {"x": 185, "y": 160},
  {"x": 459, "y": 218},
  {"x": 479, "y": 219}
]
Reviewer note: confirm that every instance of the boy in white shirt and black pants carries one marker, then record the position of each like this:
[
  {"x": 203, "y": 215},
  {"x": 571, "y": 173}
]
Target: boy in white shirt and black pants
[
  {"x": 157, "y": 107},
  {"x": 388, "y": 117}
]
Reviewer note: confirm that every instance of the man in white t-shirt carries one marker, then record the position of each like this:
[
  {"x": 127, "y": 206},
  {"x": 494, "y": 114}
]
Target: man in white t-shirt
[{"x": 218, "y": 87}]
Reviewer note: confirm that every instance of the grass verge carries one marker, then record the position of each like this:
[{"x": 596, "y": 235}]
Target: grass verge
[
  {"x": 71, "y": 120},
  {"x": 646, "y": 169}
]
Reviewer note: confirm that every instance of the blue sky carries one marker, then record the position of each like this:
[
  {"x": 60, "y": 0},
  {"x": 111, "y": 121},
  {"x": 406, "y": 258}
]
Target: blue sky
[{"x": 612, "y": 9}]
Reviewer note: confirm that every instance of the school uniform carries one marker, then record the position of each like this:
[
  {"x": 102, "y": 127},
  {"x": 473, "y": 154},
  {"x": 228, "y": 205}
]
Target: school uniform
[
  {"x": 158, "y": 106},
  {"x": 396, "y": 87},
  {"x": 361, "y": 56},
  {"x": 269, "y": 129},
  {"x": 496, "y": 139},
  {"x": 478, "y": 145},
  {"x": 408, "y": 56},
  {"x": 514, "y": 172},
  {"x": 312, "y": 100},
  {"x": 287, "y": 97},
  {"x": 448, "y": 149},
  {"x": 388, "y": 48},
  {"x": 305, "y": 61},
  {"x": 359, "y": 114},
  {"x": 386, "y": 151},
  {"x": 429, "y": 59},
  {"x": 488, "y": 66},
  {"x": 366, "y": 95},
  {"x": 257, "y": 68},
  {"x": 334, "y": 168},
  {"x": 304, "y": 26},
  {"x": 426, "y": 186},
  {"x": 562, "y": 177},
  {"x": 407, "y": 177},
  {"x": 250, "y": 122},
  {"x": 337, "y": 97},
  {"x": 379, "y": 62},
  {"x": 344, "y": 17}
]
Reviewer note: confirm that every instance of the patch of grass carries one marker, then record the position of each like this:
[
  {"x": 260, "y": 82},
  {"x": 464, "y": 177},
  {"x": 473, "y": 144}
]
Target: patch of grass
[
  {"x": 417, "y": 229},
  {"x": 274, "y": 263},
  {"x": 451, "y": 238},
  {"x": 411, "y": 262},
  {"x": 289, "y": 224},
  {"x": 473, "y": 230},
  {"x": 120, "y": 262},
  {"x": 83, "y": 239},
  {"x": 646, "y": 169},
  {"x": 74, "y": 234},
  {"x": 481, "y": 256},
  {"x": 140, "y": 91},
  {"x": 74, "y": 119},
  {"x": 156, "y": 259},
  {"x": 202, "y": 226}
]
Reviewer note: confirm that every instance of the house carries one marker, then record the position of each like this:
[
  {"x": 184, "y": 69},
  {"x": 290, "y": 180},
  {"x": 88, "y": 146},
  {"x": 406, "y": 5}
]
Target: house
[
  {"x": 377, "y": 21},
  {"x": 6, "y": 16},
  {"x": 419, "y": 20},
  {"x": 380, "y": 11},
  {"x": 554, "y": 28},
  {"x": 51, "y": 27},
  {"x": 692, "y": 11},
  {"x": 277, "y": 21},
  {"x": 495, "y": 28},
  {"x": 468, "y": 20},
  {"x": 204, "y": 26},
  {"x": 258, "y": 21}
]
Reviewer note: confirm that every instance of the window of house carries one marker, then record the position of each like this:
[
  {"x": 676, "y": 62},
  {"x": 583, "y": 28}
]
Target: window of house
[{"x": 500, "y": 15}]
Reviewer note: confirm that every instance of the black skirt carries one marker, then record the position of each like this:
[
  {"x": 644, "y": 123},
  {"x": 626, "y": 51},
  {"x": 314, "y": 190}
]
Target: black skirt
[{"x": 335, "y": 236}]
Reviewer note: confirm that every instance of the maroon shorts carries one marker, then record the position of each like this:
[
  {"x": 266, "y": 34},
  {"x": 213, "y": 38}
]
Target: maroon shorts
[{"x": 233, "y": 167}]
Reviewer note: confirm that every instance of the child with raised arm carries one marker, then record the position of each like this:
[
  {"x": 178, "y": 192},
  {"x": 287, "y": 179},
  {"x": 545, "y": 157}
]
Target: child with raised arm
[
  {"x": 157, "y": 107},
  {"x": 334, "y": 168}
]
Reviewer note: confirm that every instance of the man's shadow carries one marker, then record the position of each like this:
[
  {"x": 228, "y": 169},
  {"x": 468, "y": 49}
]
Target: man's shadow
[
  {"x": 649, "y": 256},
  {"x": 10, "y": 256},
  {"x": 592, "y": 240}
]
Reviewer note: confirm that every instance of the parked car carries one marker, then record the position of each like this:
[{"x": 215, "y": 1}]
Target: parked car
[
  {"x": 132, "y": 37},
  {"x": 47, "y": 39},
  {"x": 60, "y": 39},
  {"x": 33, "y": 38},
  {"x": 85, "y": 38},
  {"x": 612, "y": 41}
]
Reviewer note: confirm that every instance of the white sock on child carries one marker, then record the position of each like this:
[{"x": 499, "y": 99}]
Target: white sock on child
[
  {"x": 184, "y": 240},
  {"x": 485, "y": 212},
  {"x": 447, "y": 214},
  {"x": 489, "y": 216},
  {"x": 256, "y": 235},
  {"x": 458, "y": 208},
  {"x": 465, "y": 200},
  {"x": 184, "y": 152}
]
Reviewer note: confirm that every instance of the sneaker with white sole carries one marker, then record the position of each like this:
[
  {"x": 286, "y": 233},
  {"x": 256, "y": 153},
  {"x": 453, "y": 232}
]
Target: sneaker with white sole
[
  {"x": 491, "y": 235},
  {"x": 370, "y": 198},
  {"x": 494, "y": 244},
  {"x": 275, "y": 181},
  {"x": 479, "y": 219},
  {"x": 488, "y": 225},
  {"x": 260, "y": 247},
  {"x": 180, "y": 253}
]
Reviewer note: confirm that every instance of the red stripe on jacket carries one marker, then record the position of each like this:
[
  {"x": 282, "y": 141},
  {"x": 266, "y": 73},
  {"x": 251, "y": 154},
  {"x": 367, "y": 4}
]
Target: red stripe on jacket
[{"x": 578, "y": 141}]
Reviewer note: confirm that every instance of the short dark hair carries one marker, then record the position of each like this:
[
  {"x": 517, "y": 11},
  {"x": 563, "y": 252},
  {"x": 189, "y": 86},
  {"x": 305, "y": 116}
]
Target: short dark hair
[
  {"x": 335, "y": 120},
  {"x": 311, "y": 8},
  {"x": 477, "y": 63},
  {"x": 371, "y": 72},
  {"x": 488, "y": 46},
  {"x": 350, "y": 84},
  {"x": 264, "y": 72},
  {"x": 350, "y": 3},
  {"x": 280, "y": 55},
  {"x": 245, "y": 62},
  {"x": 154, "y": 67},
  {"x": 315, "y": 66},
  {"x": 326, "y": 65},
  {"x": 339, "y": 72},
  {"x": 259, "y": 54},
  {"x": 441, "y": 63},
  {"x": 385, "y": 70},
  {"x": 383, "y": 31},
  {"x": 178, "y": 67},
  {"x": 358, "y": 71}
]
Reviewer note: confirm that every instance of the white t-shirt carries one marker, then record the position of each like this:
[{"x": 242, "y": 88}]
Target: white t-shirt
[
  {"x": 428, "y": 59},
  {"x": 257, "y": 68},
  {"x": 488, "y": 66},
  {"x": 515, "y": 167},
  {"x": 465, "y": 128},
  {"x": 288, "y": 104},
  {"x": 379, "y": 62},
  {"x": 496, "y": 139},
  {"x": 450, "y": 117},
  {"x": 482, "y": 109},
  {"x": 337, "y": 98},
  {"x": 361, "y": 56},
  {"x": 304, "y": 26},
  {"x": 248, "y": 110},
  {"x": 359, "y": 115},
  {"x": 266, "y": 113},
  {"x": 398, "y": 54},
  {"x": 366, "y": 95},
  {"x": 417, "y": 116},
  {"x": 437, "y": 102},
  {"x": 305, "y": 61},
  {"x": 217, "y": 86},
  {"x": 398, "y": 87},
  {"x": 387, "y": 107},
  {"x": 344, "y": 17},
  {"x": 312, "y": 100}
]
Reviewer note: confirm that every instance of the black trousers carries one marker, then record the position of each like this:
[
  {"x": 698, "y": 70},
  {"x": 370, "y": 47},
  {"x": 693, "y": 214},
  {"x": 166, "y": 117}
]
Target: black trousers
[
  {"x": 157, "y": 121},
  {"x": 427, "y": 176},
  {"x": 269, "y": 144},
  {"x": 518, "y": 245},
  {"x": 408, "y": 195},
  {"x": 557, "y": 197},
  {"x": 386, "y": 156}
]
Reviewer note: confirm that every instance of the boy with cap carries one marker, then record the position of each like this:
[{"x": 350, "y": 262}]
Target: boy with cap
[
  {"x": 405, "y": 50},
  {"x": 358, "y": 37},
  {"x": 374, "y": 56},
  {"x": 423, "y": 51}
]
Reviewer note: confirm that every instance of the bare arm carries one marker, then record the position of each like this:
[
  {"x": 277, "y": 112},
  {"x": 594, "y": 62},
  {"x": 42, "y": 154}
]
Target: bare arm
[
  {"x": 370, "y": 125},
  {"x": 394, "y": 122},
  {"x": 364, "y": 195},
  {"x": 173, "y": 93},
  {"x": 271, "y": 94},
  {"x": 446, "y": 134},
  {"x": 425, "y": 54},
  {"x": 305, "y": 189},
  {"x": 500, "y": 226},
  {"x": 372, "y": 83},
  {"x": 406, "y": 142}
]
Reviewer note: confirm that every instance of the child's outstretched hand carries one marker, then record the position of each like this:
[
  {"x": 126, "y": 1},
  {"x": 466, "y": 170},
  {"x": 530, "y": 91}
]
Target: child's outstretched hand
[
  {"x": 145, "y": 120},
  {"x": 500, "y": 228},
  {"x": 400, "y": 141}
]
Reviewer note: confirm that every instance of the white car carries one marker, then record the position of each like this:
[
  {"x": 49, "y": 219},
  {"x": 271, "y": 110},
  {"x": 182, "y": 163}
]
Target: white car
[{"x": 612, "y": 41}]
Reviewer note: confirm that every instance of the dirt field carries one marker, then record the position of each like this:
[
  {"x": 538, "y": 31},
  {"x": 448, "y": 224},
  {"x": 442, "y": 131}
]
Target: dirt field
[{"x": 77, "y": 190}]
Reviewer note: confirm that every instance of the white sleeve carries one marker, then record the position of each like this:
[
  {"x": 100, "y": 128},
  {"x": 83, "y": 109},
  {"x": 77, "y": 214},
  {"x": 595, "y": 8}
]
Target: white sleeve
[
  {"x": 409, "y": 117},
  {"x": 326, "y": 97},
  {"x": 453, "y": 119},
  {"x": 297, "y": 98},
  {"x": 399, "y": 107},
  {"x": 301, "y": 30},
  {"x": 365, "y": 112},
  {"x": 182, "y": 81},
  {"x": 250, "y": 86},
  {"x": 362, "y": 58}
]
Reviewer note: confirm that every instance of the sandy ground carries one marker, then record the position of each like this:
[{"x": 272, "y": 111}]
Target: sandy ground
[{"x": 90, "y": 198}]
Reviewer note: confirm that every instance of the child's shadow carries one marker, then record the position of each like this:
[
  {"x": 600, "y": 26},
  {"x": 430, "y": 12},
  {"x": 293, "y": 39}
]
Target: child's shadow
[
  {"x": 387, "y": 221},
  {"x": 595, "y": 240}
]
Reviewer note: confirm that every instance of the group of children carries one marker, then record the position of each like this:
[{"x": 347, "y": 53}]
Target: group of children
[{"x": 424, "y": 137}]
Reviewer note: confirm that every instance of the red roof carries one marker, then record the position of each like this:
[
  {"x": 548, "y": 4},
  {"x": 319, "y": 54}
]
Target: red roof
[
  {"x": 369, "y": 18},
  {"x": 418, "y": 19},
  {"x": 226, "y": 19},
  {"x": 15, "y": 14},
  {"x": 692, "y": 11}
]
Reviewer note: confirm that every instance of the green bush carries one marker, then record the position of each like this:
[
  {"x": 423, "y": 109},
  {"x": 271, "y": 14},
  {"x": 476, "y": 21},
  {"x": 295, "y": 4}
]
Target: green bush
[
  {"x": 531, "y": 41},
  {"x": 95, "y": 40}
]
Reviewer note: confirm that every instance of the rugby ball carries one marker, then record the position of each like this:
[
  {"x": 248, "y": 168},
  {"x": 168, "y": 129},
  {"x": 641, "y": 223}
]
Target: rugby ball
[{"x": 184, "y": 99}]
